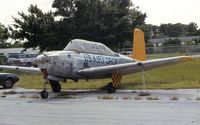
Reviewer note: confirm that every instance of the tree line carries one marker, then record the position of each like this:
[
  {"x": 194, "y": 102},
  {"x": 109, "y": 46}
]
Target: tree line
[
  {"x": 107, "y": 21},
  {"x": 171, "y": 30}
]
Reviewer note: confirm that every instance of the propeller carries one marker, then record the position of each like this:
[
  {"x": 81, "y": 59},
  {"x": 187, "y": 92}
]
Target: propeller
[
  {"x": 41, "y": 61},
  {"x": 43, "y": 57}
]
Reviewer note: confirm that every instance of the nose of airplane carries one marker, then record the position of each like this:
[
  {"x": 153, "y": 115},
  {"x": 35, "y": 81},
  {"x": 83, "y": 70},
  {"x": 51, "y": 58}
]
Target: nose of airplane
[{"x": 41, "y": 58}]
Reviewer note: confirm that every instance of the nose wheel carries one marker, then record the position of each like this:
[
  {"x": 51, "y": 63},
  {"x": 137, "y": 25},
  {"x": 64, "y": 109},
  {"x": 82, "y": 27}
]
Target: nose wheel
[{"x": 44, "y": 94}]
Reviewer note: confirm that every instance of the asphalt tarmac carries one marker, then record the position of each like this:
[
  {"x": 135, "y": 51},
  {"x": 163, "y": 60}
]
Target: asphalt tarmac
[{"x": 162, "y": 107}]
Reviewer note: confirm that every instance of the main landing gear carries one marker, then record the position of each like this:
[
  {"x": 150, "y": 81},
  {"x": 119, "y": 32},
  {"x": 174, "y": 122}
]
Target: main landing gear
[
  {"x": 56, "y": 88},
  {"x": 110, "y": 88}
]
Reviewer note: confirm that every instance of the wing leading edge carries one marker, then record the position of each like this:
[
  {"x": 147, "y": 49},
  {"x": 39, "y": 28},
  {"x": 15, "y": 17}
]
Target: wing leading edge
[
  {"x": 133, "y": 67},
  {"x": 23, "y": 69}
]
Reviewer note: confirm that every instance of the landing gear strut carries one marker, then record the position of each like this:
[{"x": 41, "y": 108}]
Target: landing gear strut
[
  {"x": 55, "y": 88},
  {"x": 44, "y": 94}
]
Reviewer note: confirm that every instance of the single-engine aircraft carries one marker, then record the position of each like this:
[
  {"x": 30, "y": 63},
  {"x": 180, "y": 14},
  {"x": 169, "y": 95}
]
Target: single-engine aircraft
[{"x": 82, "y": 59}]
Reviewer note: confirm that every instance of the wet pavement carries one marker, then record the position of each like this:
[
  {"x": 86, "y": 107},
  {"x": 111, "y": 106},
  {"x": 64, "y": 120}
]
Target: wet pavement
[{"x": 82, "y": 107}]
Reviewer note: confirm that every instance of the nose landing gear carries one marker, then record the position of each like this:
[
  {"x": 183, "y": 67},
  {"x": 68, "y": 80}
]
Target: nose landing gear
[{"x": 44, "y": 94}]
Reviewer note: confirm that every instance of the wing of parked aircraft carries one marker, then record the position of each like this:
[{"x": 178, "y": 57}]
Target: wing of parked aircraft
[
  {"x": 22, "y": 69},
  {"x": 134, "y": 67}
]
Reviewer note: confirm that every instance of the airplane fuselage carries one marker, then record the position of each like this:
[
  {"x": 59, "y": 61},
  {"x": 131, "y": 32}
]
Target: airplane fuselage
[{"x": 65, "y": 64}]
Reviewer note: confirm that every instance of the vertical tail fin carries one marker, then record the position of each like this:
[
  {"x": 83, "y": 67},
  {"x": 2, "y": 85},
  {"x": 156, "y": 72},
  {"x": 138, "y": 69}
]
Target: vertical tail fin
[{"x": 139, "y": 50}]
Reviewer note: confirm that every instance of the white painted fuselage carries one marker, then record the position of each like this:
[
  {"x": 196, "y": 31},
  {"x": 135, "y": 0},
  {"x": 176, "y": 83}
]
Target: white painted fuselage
[{"x": 62, "y": 65}]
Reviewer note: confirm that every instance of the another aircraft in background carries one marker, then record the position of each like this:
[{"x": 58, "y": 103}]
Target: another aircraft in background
[{"x": 83, "y": 59}]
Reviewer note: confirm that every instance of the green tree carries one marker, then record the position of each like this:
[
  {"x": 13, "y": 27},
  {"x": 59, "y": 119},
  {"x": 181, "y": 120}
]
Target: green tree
[
  {"x": 192, "y": 29},
  {"x": 107, "y": 21},
  {"x": 197, "y": 41},
  {"x": 172, "y": 42},
  {"x": 35, "y": 28},
  {"x": 173, "y": 30},
  {"x": 65, "y": 8},
  {"x": 178, "y": 30},
  {"x": 150, "y": 31},
  {"x": 4, "y": 35}
]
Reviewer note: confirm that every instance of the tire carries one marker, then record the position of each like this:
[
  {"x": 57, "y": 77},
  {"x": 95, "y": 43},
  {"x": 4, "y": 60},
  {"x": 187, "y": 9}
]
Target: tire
[
  {"x": 44, "y": 94},
  {"x": 8, "y": 83},
  {"x": 110, "y": 88},
  {"x": 56, "y": 87}
]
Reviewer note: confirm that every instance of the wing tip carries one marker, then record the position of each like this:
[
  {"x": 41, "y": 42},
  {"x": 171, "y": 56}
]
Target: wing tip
[{"x": 187, "y": 58}]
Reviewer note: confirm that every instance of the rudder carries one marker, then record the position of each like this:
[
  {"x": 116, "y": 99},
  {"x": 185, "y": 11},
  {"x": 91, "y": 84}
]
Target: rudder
[{"x": 139, "y": 50}]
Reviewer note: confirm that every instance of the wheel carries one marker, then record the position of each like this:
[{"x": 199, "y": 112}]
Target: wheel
[
  {"x": 44, "y": 94},
  {"x": 9, "y": 82},
  {"x": 110, "y": 88},
  {"x": 56, "y": 87}
]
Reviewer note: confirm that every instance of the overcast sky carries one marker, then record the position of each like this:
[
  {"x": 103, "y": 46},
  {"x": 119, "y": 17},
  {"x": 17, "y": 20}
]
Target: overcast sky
[
  {"x": 170, "y": 11},
  {"x": 158, "y": 11},
  {"x": 9, "y": 8}
]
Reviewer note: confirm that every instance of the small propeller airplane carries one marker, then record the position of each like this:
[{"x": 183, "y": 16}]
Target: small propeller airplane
[{"x": 82, "y": 59}]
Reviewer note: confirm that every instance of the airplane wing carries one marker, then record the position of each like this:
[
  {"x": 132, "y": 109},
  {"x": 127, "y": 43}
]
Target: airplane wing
[
  {"x": 23, "y": 69},
  {"x": 133, "y": 67}
]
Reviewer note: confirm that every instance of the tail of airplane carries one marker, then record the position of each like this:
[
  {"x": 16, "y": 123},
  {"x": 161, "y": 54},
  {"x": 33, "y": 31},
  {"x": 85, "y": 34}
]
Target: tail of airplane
[{"x": 139, "y": 50}]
